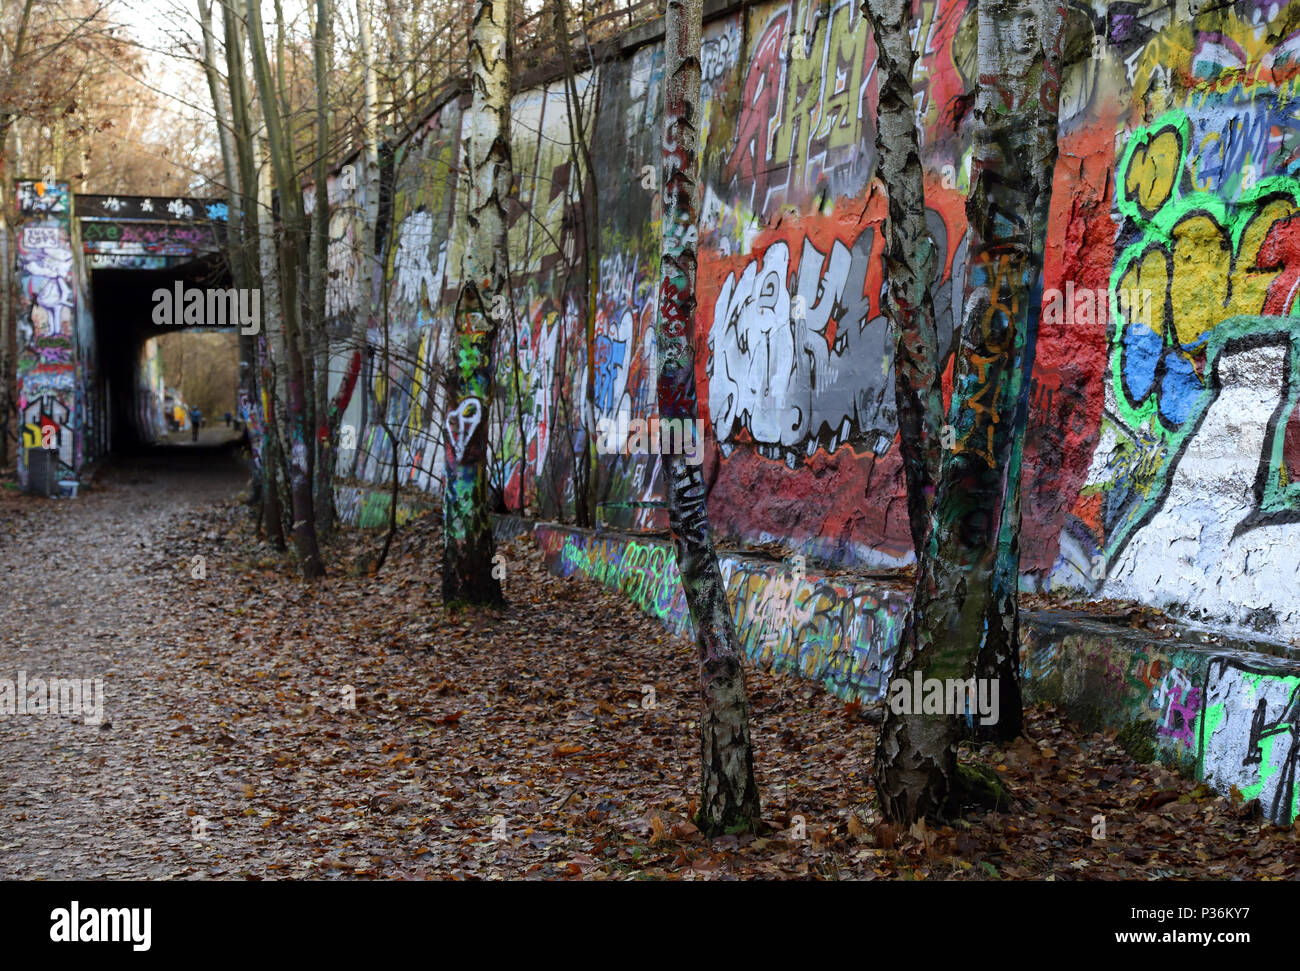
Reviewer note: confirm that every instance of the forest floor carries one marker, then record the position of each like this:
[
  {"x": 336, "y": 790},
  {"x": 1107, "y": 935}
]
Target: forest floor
[{"x": 258, "y": 727}]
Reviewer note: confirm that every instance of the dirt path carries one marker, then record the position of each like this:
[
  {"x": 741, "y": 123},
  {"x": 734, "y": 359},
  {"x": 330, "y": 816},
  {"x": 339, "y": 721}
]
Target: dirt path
[
  {"x": 92, "y": 584},
  {"x": 257, "y": 727}
]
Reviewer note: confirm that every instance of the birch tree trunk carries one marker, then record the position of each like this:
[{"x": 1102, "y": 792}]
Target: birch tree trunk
[
  {"x": 957, "y": 615},
  {"x": 226, "y": 138},
  {"x": 910, "y": 264},
  {"x": 258, "y": 261},
  {"x": 728, "y": 792},
  {"x": 484, "y": 302},
  {"x": 274, "y": 483},
  {"x": 371, "y": 271},
  {"x": 7, "y": 380},
  {"x": 1037, "y": 147},
  {"x": 236, "y": 244},
  {"x": 587, "y": 477},
  {"x": 402, "y": 48}
]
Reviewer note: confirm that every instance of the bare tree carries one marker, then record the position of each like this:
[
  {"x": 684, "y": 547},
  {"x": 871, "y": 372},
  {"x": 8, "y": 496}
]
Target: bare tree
[
  {"x": 728, "y": 792},
  {"x": 292, "y": 220},
  {"x": 964, "y": 618},
  {"x": 484, "y": 298}
]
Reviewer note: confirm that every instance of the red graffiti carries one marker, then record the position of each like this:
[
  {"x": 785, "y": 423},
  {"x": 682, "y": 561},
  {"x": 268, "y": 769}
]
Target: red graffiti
[
  {"x": 759, "y": 105},
  {"x": 343, "y": 396},
  {"x": 1281, "y": 251}
]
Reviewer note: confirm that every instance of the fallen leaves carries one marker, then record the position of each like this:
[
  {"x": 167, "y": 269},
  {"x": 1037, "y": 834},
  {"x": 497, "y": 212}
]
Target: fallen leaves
[{"x": 490, "y": 744}]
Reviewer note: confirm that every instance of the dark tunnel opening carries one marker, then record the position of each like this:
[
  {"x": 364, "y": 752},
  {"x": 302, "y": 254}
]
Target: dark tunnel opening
[{"x": 124, "y": 319}]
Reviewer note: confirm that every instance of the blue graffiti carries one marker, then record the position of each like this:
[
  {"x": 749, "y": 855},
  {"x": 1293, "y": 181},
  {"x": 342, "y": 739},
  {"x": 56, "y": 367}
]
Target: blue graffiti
[{"x": 610, "y": 357}]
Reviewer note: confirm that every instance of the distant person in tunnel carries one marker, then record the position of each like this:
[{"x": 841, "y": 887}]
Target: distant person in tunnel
[
  {"x": 227, "y": 419},
  {"x": 196, "y": 419}
]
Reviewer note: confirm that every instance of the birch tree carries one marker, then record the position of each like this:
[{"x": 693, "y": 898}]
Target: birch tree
[
  {"x": 586, "y": 469},
  {"x": 964, "y": 618},
  {"x": 910, "y": 263},
  {"x": 728, "y": 792},
  {"x": 467, "y": 568}
]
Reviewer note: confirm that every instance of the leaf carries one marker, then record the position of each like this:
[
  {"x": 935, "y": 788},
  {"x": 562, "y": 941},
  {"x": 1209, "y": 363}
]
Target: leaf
[{"x": 684, "y": 830}]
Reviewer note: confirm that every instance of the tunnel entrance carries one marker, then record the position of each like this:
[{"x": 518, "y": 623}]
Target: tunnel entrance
[
  {"x": 88, "y": 375},
  {"x": 155, "y": 374}
]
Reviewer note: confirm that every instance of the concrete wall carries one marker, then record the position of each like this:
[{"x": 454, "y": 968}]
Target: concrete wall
[
  {"x": 50, "y": 379},
  {"x": 1163, "y": 445},
  {"x": 1164, "y": 442}
]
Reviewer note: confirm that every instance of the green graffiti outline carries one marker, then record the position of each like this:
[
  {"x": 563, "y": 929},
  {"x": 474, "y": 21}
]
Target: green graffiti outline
[
  {"x": 1157, "y": 232},
  {"x": 1212, "y": 719}
]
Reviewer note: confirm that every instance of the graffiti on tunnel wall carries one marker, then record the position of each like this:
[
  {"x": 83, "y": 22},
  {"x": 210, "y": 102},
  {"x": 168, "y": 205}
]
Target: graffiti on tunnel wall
[{"x": 47, "y": 382}]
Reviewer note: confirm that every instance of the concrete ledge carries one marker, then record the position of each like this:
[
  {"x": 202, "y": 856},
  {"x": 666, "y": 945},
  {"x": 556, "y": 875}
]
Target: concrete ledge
[
  {"x": 833, "y": 630},
  {"x": 367, "y": 507},
  {"x": 1227, "y": 715}
]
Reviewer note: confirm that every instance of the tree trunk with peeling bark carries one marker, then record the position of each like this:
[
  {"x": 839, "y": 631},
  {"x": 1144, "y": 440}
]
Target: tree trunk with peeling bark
[
  {"x": 484, "y": 302},
  {"x": 728, "y": 792},
  {"x": 910, "y": 264},
  {"x": 963, "y": 618},
  {"x": 252, "y": 253},
  {"x": 587, "y": 471}
]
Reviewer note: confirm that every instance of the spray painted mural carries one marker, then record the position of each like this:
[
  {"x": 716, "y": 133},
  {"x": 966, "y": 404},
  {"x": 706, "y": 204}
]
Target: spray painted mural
[
  {"x": 838, "y": 633},
  {"x": 800, "y": 364},
  {"x": 47, "y": 384},
  {"x": 1163, "y": 442},
  {"x": 1250, "y": 733},
  {"x": 1189, "y": 499},
  {"x": 400, "y": 413}
]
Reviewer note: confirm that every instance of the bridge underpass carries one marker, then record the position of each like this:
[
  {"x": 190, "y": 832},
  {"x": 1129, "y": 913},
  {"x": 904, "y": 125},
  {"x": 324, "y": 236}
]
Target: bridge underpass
[
  {"x": 88, "y": 267},
  {"x": 123, "y": 311}
]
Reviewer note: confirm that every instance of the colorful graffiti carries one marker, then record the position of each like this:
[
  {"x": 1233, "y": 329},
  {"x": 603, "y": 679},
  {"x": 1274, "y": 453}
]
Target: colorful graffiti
[
  {"x": 1250, "y": 734},
  {"x": 1192, "y": 482},
  {"x": 369, "y": 508},
  {"x": 789, "y": 340},
  {"x": 48, "y": 383},
  {"x": 837, "y": 633},
  {"x": 805, "y": 126},
  {"x": 156, "y": 239}
]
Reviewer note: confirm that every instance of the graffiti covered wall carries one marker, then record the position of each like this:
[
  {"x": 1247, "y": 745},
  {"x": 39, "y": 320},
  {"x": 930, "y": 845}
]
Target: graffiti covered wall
[
  {"x": 1186, "y": 388},
  {"x": 1163, "y": 440},
  {"x": 837, "y": 632},
  {"x": 48, "y": 379}
]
